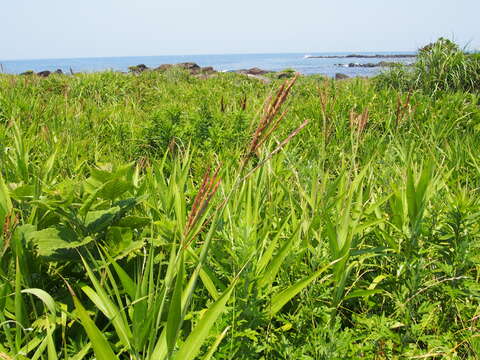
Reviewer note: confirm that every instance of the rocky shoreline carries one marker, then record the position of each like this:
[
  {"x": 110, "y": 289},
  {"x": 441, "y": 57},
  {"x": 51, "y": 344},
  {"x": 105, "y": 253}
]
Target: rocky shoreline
[
  {"x": 358, "y": 56},
  {"x": 205, "y": 72},
  {"x": 372, "y": 65},
  {"x": 191, "y": 67}
]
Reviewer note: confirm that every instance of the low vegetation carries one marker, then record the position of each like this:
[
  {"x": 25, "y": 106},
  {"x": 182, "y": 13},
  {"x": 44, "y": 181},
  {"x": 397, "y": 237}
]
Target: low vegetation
[
  {"x": 163, "y": 216},
  {"x": 440, "y": 66}
]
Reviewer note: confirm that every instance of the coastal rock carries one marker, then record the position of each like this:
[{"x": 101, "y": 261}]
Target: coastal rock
[
  {"x": 340, "y": 76},
  {"x": 192, "y": 67},
  {"x": 138, "y": 68},
  {"x": 163, "y": 67},
  {"x": 252, "y": 71},
  {"x": 59, "y": 72},
  {"x": 45, "y": 73},
  {"x": 367, "y": 65},
  {"x": 208, "y": 70},
  {"x": 28, "y": 72},
  {"x": 371, "y": 65}
]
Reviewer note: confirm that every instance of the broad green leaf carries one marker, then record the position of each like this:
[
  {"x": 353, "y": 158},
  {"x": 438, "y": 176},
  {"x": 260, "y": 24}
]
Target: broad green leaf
[
  {"x": 23, "y": 192},
  {"x": 88, "y": 202},
  {"x": 134, "y": 222},
  {"x": 55, "y": 241},
  {"x": 99, "y": 220},
  {"x": 114, "y": 189}
]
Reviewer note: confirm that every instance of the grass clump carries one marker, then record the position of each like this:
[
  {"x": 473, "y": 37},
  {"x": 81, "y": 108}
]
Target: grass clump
[{"x": 440, "y": 66}]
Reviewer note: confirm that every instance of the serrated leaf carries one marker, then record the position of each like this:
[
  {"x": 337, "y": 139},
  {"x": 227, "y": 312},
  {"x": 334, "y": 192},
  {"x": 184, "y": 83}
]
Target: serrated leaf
[
  {"x": 52, "y": 241},
  {"x": 114, "y": 189}
]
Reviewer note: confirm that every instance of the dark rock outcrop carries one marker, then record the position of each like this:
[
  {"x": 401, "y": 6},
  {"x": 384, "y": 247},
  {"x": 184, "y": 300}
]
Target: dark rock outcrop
[
  {"x": 59, "y": 72},
  {"x": 207, "y": 70},
  {"x": 340, "y": 76},
  {"x": 253, "y": 71},
  {"x": 45, "y": 73},
  {"x": 137, "y": 69},
  {"x": 163, "y": 67},
  {"x": 192, "y": 67},
  {"x": 28, "y": 72},
  {"x": 371, "y": 65}
]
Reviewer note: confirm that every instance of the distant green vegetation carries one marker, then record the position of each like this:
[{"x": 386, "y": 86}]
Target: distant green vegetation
[
  {"x": 440, "y": 66},
  {"x": 160, "y": 215}
]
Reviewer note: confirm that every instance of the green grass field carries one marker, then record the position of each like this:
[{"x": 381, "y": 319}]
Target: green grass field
[{"x": 165, "y": 216}]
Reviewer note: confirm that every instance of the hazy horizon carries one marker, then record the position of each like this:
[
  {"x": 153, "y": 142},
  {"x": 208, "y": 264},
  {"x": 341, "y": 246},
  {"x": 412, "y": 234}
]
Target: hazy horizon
[{"x": 52, "y": 29}]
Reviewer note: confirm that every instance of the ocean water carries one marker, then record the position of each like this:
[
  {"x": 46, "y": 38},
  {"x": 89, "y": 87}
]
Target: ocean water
[{"x": 229, "y": 62}]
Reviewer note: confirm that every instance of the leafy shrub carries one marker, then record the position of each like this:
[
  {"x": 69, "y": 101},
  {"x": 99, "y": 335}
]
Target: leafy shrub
[{"x": 440, "y": 66}]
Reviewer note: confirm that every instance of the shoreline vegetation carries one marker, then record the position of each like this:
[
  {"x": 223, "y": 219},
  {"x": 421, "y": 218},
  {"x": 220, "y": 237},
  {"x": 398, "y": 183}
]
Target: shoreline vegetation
[{"x": 185, "y": 214}]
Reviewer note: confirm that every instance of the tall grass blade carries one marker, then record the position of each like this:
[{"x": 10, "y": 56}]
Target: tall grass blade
[
  {"x": 280, "y": 299},
  {"x": 195, "y": 340},
  {"x": 100, "y": 345}
]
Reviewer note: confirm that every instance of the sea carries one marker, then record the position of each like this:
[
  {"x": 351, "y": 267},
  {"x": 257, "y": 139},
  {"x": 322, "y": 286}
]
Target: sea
[{"x": 301, "y": 62}]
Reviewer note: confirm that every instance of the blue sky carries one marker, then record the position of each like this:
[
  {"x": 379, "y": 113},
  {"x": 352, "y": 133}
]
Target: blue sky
[{"x": 88, "y": 28}]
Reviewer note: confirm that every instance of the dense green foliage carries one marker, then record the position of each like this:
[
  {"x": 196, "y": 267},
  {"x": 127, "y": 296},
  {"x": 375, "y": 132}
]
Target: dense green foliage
[
  {"x": 440, "y": 66},
  {"x": 356, "y": 238}
]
